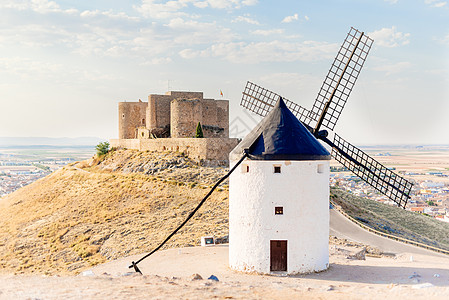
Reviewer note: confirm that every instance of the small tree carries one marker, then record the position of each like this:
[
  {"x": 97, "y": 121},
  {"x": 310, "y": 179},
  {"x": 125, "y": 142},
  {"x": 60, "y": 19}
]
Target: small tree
[
  {"x": 102, "y": 148},
  {"x": 199, "y": 131}
]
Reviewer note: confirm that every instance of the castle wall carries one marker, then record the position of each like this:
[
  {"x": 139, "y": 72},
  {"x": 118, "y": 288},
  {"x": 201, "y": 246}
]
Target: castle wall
[
  {"x": 181, "y": 118},
  {"x": 223, "y": 116},
  {"x": 125, "y": 143},
  {"x": 158, "y": 111},
  {"x": 185, "y": 95},
  {"x": 216, "y": 150},
  {"x": 215, "y": 119},
  {"x": 131, "y": 116}
]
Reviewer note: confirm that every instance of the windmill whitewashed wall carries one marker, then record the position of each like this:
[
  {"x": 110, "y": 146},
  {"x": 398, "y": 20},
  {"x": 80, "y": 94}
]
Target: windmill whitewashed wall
[{"x": 279, "y": 203}]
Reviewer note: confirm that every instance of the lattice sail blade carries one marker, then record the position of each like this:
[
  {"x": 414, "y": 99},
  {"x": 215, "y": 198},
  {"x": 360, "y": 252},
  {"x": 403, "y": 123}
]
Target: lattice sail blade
[
  {"x": 341, "y": 78},
  {"x": 372, "y": 172},
  {"x": 260, "y": 101}
]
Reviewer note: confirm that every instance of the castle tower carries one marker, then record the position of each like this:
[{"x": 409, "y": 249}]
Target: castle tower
[
  {"x": 131, "y": 116},
  {"x": 185, "y": 115},
  {"x": 279, "y": 199}
]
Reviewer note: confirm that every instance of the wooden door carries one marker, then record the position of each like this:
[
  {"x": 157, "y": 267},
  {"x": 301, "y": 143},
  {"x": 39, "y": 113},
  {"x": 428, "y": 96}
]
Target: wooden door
[{"x": 278, "y": 255}]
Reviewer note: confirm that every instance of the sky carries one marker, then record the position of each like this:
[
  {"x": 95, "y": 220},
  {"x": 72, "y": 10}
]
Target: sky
[{"x": 65, "y": 64}]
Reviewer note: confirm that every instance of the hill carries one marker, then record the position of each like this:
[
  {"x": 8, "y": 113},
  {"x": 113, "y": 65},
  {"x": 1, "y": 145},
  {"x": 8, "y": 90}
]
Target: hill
[{"x": 91, "y": 212}]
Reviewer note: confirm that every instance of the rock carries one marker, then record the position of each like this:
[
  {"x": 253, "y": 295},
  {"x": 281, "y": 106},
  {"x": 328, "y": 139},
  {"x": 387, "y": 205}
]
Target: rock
[
  {"x": 360, "y": 255},
  {"x": 130, "y": 274},
  {"x": 330, "y": 288},
  {"x": 196, "y": 277}
]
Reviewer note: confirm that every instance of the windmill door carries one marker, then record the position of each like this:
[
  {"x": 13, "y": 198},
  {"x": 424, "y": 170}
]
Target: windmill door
[{"x": 278, "y": 255}]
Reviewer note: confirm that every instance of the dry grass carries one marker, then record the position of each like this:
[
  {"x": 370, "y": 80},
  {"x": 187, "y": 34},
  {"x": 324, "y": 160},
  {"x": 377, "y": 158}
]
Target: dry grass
[{"x": 73, "y": 219}]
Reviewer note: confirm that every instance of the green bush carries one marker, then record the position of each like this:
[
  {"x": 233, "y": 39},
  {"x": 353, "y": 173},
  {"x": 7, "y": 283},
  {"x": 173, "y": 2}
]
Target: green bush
[
  {"x": 199, "y": 131},
  {"x": 102, "y": 148}
]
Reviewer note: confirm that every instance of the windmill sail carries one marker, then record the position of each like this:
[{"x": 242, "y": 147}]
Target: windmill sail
[
  {"x": 371, "y": 171},
  {"x": 260, "y": 101},
  {"x": 340, "y": 80},
  {"x": 361, "y": 164},
  {"x": 326, "y": 110}
]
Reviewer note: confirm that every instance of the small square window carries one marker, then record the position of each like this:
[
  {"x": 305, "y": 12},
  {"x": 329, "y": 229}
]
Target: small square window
[
  {"x": 245, "y": 168},
  {"x": 279, "y": 210},
  {"x": 320, "y": 168},
  {"x": 277, "y": 169}
]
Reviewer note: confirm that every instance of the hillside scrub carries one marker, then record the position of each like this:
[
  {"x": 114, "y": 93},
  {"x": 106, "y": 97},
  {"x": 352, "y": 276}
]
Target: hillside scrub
[{"x": 102, "y": 148}]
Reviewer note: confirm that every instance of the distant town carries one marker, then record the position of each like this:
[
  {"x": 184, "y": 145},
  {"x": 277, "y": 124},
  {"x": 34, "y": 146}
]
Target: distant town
[
  {"x": 22, "y": 165},
  {"x": 427, "y": 168}
]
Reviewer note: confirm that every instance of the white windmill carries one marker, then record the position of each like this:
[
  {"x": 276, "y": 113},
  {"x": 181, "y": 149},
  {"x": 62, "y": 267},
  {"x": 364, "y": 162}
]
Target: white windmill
[
  {"x": 279, "y": 198},
  {"x": 278, "y": 202}
]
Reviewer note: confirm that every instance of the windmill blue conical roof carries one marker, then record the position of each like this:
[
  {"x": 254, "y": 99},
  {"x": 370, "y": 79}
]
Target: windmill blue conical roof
[{"x": 281, "y": 136}]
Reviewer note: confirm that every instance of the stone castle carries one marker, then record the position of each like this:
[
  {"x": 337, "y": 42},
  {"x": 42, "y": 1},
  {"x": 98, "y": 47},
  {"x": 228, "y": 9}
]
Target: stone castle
[{"x": 168, "y": 122}]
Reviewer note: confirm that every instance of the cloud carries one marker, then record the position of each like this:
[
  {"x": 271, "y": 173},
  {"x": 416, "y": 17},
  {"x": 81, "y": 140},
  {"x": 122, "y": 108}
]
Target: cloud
[
  {"x": 391, "y": 1},
  {"x": 390, "y": 37},
  {"x": 188, "y": 53},
  {"x": 158, "y": 61},
  {"x": 249, "y": 2},
  {"x": 290, "y": 19},
  {"x": 28, "y": 68},
  {"x": 201, "y": 4},
  {"x": 31, "y": 69},
  {"x": 39, "y": 6},
  {"x": 445, "y": 40},
  {"x": 190, "y": 32},
  {"x": 168, "y": 9},
  {"x": 274, "y": 51},
  {"x": 268, "y": 32},
  {"x": 230, "y": 4},
  {"x": 245, "y": 18},
  {"x": 34, "y": 35},
  {"x": 108, "y": 13},
  {"x": 435, "y": 3},
  {"x": 393, "y": 68},
  {"x": 112, "y": 34},
  {"x": 152, "y": 9}
]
